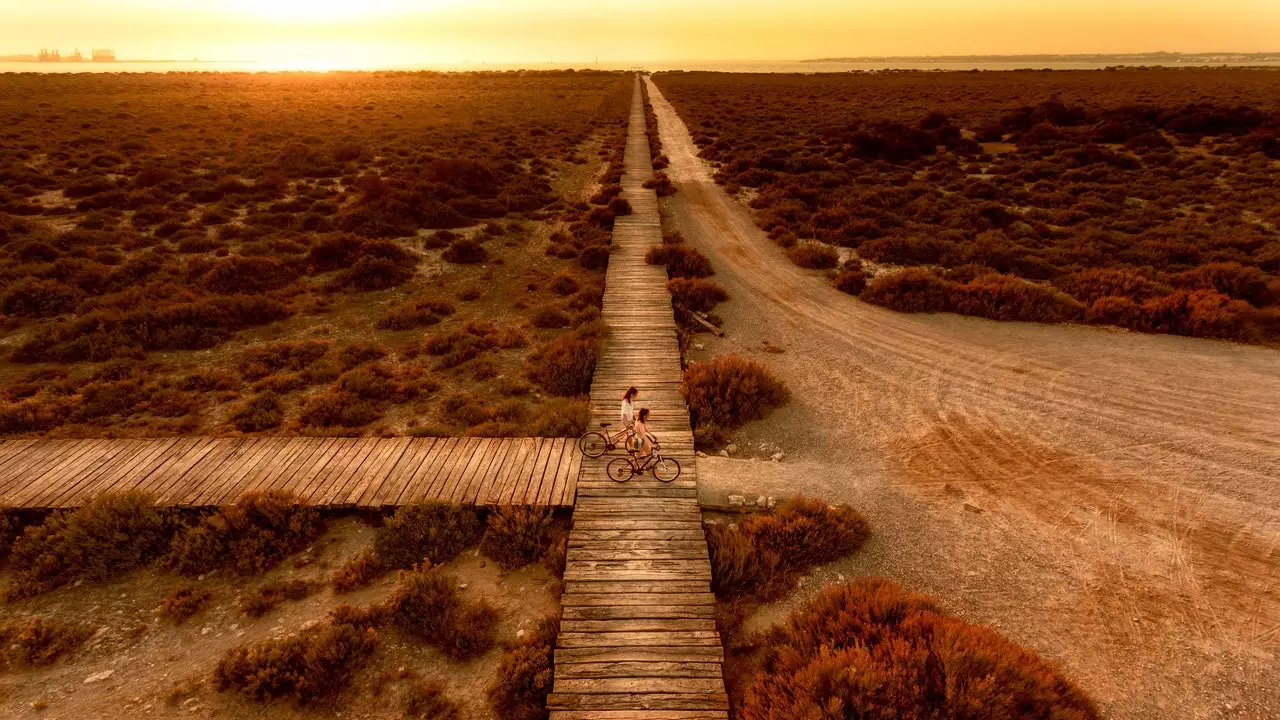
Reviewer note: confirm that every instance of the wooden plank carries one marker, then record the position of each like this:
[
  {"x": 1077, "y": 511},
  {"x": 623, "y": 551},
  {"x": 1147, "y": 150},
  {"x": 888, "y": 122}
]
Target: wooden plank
[
  {"x": 542, "y": 496},
  {"x": 582, "y": 537},
  {"x": 300, "y": 482},
  {"x": 452, "y": 473},
  {"x": 208, "y": 463},
  {"x": 638, "y": 639},
  {"x": 639, "y": 715},
  {"x": 342, "y": 474},
  {"x": 513, "y": 486},
  {"x": 656, "y": 598},
  {"x": 228, "y": 483},
  {"x": 502, "y": 478},
  {"x": 399, "y": 476},
  {"x": 620, "y": 685},
  {"x": 487, "y": 476},
  {"x": 86, "y": 478},
  {"x": 35, "y": 464},
  {"x": 569, "y": 490},
  {"x": 378, "y": 469},
  {"x": 527, "y": 492},
  {"x": 550, "y": 494},
  {"x": 641, "y": 669},
  {"x": 181, "y": 460},
  {"x": 285, "y": 457},
  {"x": 66, "y": 473},
  {"x": 586, "y": 554},
  {"x": 418, "y": 488},
  {"x": 639, "y": 612},
  {"x": 480, "y": 456},
  {"x": 640, "y": 701},
  {"x": 633, "y": 653},
  {"x": 343, "y": 450},
  {"x": 444, "y": 467}
]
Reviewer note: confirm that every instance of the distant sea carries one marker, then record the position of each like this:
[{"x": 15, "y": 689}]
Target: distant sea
[{"x": 742, "y": 67}]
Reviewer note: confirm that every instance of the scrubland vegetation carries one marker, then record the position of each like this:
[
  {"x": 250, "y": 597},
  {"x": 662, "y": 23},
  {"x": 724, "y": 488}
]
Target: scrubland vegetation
[
  {"x": 300, "y": 254},
  {"x": 1137, "y": 198},
  {"x": 425, "y": 604},
  {"x": 867, "y": 648}
]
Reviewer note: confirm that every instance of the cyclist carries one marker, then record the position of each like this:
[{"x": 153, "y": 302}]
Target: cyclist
[{"x": 643, "y": 442}]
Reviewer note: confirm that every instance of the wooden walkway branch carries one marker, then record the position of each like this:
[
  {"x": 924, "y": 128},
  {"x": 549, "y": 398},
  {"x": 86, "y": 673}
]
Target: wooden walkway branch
[
  {"x": 331, "y": 472},
  {"x": 638, "y": 638}
]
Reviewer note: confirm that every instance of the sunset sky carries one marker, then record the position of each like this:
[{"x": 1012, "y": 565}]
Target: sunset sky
[{"x": 405, "y": 32}]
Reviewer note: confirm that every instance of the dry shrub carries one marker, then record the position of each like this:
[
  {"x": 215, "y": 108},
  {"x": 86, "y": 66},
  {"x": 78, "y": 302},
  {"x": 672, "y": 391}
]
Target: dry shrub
[
  {"x": 680, "y": 260},
  {"x": 728, "y": 391},
  {"x": 250, "y": 537},
  {"x": 10, "y": 529},
  {"x": 259, "y": 362},
  {"x": 525, "y": 674},
  {"x": 426, "y": 533},
  {"x": 516, "y": 535},
  {"x": 696, "y": 294},
  {"x": 566, "y": 365},
  {"x": 763, "y": 556},
  {"x": 358, "y": 572},
  {"x": 910, "y": 290},
  {"x": 558, "y": 417},
  {"x": 813, "y": 255},
  {"x": 875, "y": 651},
  {"x": 256, "y": 604},
  {"x": 112, "y": 534},
  {"x": 851, "y": 281},
  {"x": 428, "y": 604},
  {"x": 260, "y": 412},
  {"x": 465, "y": 251},
  {"x": 426, "y": 700},
  {"x": 38, "y": 641},
  {"x": 183, "y": 602},
  {"x": 1002, "y": 297},
  {"x": 338, "y": 409},
  {"x": 311, "y": 665},
  {"x": 420, "y": 313}
]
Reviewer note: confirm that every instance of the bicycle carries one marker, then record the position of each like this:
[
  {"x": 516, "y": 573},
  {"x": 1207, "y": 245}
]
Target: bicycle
[
  {"x": 664, "y": 469},
  {"x": 596, "y": 443}
]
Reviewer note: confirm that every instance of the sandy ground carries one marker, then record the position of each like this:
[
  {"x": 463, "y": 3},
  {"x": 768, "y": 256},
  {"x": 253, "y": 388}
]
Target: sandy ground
[
  {"x": 1105, "y": 497},
  {"x": 156, "y": 669}
]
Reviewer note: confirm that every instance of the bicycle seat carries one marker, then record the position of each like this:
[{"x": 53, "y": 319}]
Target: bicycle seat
[{"x": 605, "y": 424}]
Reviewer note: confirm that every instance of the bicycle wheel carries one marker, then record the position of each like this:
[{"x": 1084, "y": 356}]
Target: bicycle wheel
[
  {"x": 620, "y": 470},
  {"x": 593, "y": 444},
  {"x": 666, "y": 469}
]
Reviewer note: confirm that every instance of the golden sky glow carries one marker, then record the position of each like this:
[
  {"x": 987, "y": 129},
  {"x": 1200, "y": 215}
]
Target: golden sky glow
[{"x": 348, "y": 33}]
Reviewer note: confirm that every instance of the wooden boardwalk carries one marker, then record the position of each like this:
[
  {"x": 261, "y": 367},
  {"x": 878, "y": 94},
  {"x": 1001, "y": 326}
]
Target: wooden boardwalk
[
  {"x": 637, "y": 635},
  {"x": 334, "y": 472}
]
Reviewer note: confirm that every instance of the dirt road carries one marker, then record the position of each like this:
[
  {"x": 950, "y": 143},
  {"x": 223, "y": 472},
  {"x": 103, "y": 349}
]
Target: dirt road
[{"x": 1108, "y": 498}]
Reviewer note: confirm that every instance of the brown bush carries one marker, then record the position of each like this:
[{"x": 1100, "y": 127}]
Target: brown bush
[
  {"x": 250, "y": 537},
  {"x": 34, "y": 297},
  {"x": 516, "y": 535},
  {"x": 728, "y": 391},
  {"x": 312, "y": 665},
  {"x": 566, "y": 365},
  {"x": 876, "y": 651},
  {"x": 813, "y": 255},
  {"x": 427, "y": 534},
  {"x": 338, "y": 409},
  {"x": 525, "y": 675},
  {"x": 910, "y": 290},
  {"x": 358, "y": 572},
  {"x": 851, "y": 281},
  {"x": 465, "y": 251},
  {"x": 1002, "y": 297},
  {"x": 695, "y": 294},
  {"x": 427, "y": 603},
  {"x": 112, "y": 534},
  {"x": 257, "y": 603},
  {"x": 183, "y": 602},
  {"x": 680, "y": 260},
  {"x": 765, "y": 554},
  {"x": 259, "y": 362},
  {"x": 426, "y": 700},
  {"x": 260, "y": 412},
  {"x": 38, "y": 641}
]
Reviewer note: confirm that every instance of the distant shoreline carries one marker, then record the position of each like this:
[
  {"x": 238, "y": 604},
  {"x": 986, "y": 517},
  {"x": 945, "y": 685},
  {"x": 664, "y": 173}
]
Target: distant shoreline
[{"x": 1157, "y": 58}]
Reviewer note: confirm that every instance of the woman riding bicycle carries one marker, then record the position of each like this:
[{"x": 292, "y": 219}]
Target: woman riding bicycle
[{"x": 644, "y": 440}]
